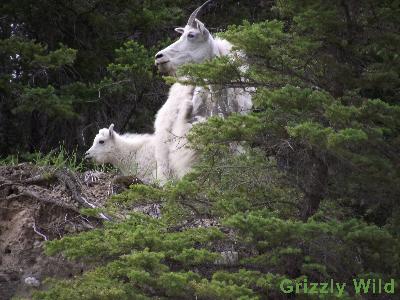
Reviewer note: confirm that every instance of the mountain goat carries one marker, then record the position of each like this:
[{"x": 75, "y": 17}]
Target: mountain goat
[
  {"x": 132, "y": 154},
  {"x": 186, "y": 104}
]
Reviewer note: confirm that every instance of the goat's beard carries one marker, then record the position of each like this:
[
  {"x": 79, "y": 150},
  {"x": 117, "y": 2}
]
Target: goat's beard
[{"x": 167, "y": 69}]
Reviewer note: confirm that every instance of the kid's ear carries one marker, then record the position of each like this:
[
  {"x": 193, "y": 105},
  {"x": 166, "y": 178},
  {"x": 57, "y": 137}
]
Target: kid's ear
[
  {"x": 111, "y": 130},
  {"x": 180, "y": 30}
]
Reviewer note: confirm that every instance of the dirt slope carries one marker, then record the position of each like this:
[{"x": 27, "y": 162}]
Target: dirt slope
[{"x": 39, "y": 203}]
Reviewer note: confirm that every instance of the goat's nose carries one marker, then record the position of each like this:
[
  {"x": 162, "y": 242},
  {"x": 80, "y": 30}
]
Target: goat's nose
[{"x": 159, "y": 55}]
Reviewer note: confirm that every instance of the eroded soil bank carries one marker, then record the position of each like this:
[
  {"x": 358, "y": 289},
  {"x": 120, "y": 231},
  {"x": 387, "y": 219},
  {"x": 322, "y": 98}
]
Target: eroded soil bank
[{"x": 39, "y": 203}]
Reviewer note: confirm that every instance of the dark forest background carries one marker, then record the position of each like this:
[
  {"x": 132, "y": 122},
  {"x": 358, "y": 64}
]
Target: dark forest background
[{"x": 69, "y": 68}]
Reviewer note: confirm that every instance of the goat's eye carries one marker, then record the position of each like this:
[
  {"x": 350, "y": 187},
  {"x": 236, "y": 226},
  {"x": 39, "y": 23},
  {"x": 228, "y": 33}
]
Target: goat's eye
[
  {"x": 101, "y": 142},
  {"x": 191, "y": 35}
]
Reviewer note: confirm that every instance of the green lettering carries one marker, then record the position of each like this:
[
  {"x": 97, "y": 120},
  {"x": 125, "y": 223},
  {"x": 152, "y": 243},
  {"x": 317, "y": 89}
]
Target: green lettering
[
  {"x": 340, "y": 288},
  {"x": 323, "y": 288},
  {"x": 305, "y": 286},
  {"x": 286, "y": 286},
  {"x": 298, "y": 287},
  {"x": 360, "y": 284},
  {"x": 313, "y": 288},
  {"x": 389, "y": 287}
]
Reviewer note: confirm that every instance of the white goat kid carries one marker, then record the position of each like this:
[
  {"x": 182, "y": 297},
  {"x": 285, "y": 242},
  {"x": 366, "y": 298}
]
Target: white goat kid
[
  {"x": 188, "y": 103},
  {"x": 132, "y": 154}
]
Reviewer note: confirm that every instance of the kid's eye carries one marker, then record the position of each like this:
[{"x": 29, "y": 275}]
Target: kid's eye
[
  {"x": 101, "y": 142},
  {"x": 191, "y": 35}
]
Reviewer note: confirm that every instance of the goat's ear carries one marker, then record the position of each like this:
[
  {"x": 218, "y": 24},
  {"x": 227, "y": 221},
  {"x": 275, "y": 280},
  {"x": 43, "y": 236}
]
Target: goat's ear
[
  {"x": 111, "y": 130},
  {"x": 180, "y": 30},
  {"x": 202, "y": 28}
]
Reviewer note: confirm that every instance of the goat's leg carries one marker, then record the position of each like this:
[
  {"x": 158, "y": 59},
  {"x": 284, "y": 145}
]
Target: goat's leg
[{"x": 162, "y": 158}]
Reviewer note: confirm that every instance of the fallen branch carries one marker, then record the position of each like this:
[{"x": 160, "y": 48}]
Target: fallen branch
[
  {"x": 40, "y": 179},
  {"x": 39, "y": 233},
  {"x": 19, "y": 188},
  {"x": 33, "y": 195},
  {"x": 72, "y": 184}
]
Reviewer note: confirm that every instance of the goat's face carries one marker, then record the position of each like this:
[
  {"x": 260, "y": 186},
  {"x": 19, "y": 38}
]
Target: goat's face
[
  {"x": 195, "y": 45},
  {"x": 103, "y": 148}
]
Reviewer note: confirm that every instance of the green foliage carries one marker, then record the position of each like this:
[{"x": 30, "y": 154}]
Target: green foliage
[
  {"x": 294, "y": 244},
  {"x": 217, "y": 71},
  {"x": 144, "y": 259},
  {"x": 131, "y": 70},
  {"x": 55, "y": 59},
  {"x": 10, "y": 160},
  {"x": 45, "y": 100},
  {"x": 88, "y": 64},
  {"x": 132, "y": 57},
  {"x": 314, "y": 100},
  {"x": 138, "y": 232},
  {"x": 59, "y": 159}
]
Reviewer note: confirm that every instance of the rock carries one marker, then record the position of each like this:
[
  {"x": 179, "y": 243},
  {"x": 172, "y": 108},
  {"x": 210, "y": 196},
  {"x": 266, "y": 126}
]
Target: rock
[
  {"x": 228, "y": 258},
  {"x": 32, "y": 281}
]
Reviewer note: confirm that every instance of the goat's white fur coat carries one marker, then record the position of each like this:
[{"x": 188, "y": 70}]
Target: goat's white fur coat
[
  {"x": 184, "y": 105},
  {"x": 168, "y": 147},
  {"x": 131, "y": 154},
  {"x": 173, "y": 156}
]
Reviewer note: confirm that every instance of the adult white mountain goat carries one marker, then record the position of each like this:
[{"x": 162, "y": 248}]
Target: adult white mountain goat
[
  {"x": 188, "y": 103},
  {"x": 132, "y": 154}
]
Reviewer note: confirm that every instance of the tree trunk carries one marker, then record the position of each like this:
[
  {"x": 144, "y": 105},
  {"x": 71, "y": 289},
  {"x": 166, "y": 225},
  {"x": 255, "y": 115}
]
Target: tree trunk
[{"x": 315, "y": 187}]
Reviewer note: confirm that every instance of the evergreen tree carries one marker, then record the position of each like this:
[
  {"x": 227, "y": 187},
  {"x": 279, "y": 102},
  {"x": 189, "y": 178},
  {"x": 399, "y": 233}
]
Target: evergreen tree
[{"x": 60, "y": 59}]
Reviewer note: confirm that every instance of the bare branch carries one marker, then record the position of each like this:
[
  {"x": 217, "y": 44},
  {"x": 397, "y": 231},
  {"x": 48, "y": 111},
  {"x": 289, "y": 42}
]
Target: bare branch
[{"x": 39, "y": 233}]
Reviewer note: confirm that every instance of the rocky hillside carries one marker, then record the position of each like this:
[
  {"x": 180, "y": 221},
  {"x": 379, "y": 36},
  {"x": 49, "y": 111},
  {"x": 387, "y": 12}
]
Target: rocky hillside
[{"x": 39, "y": 204}]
